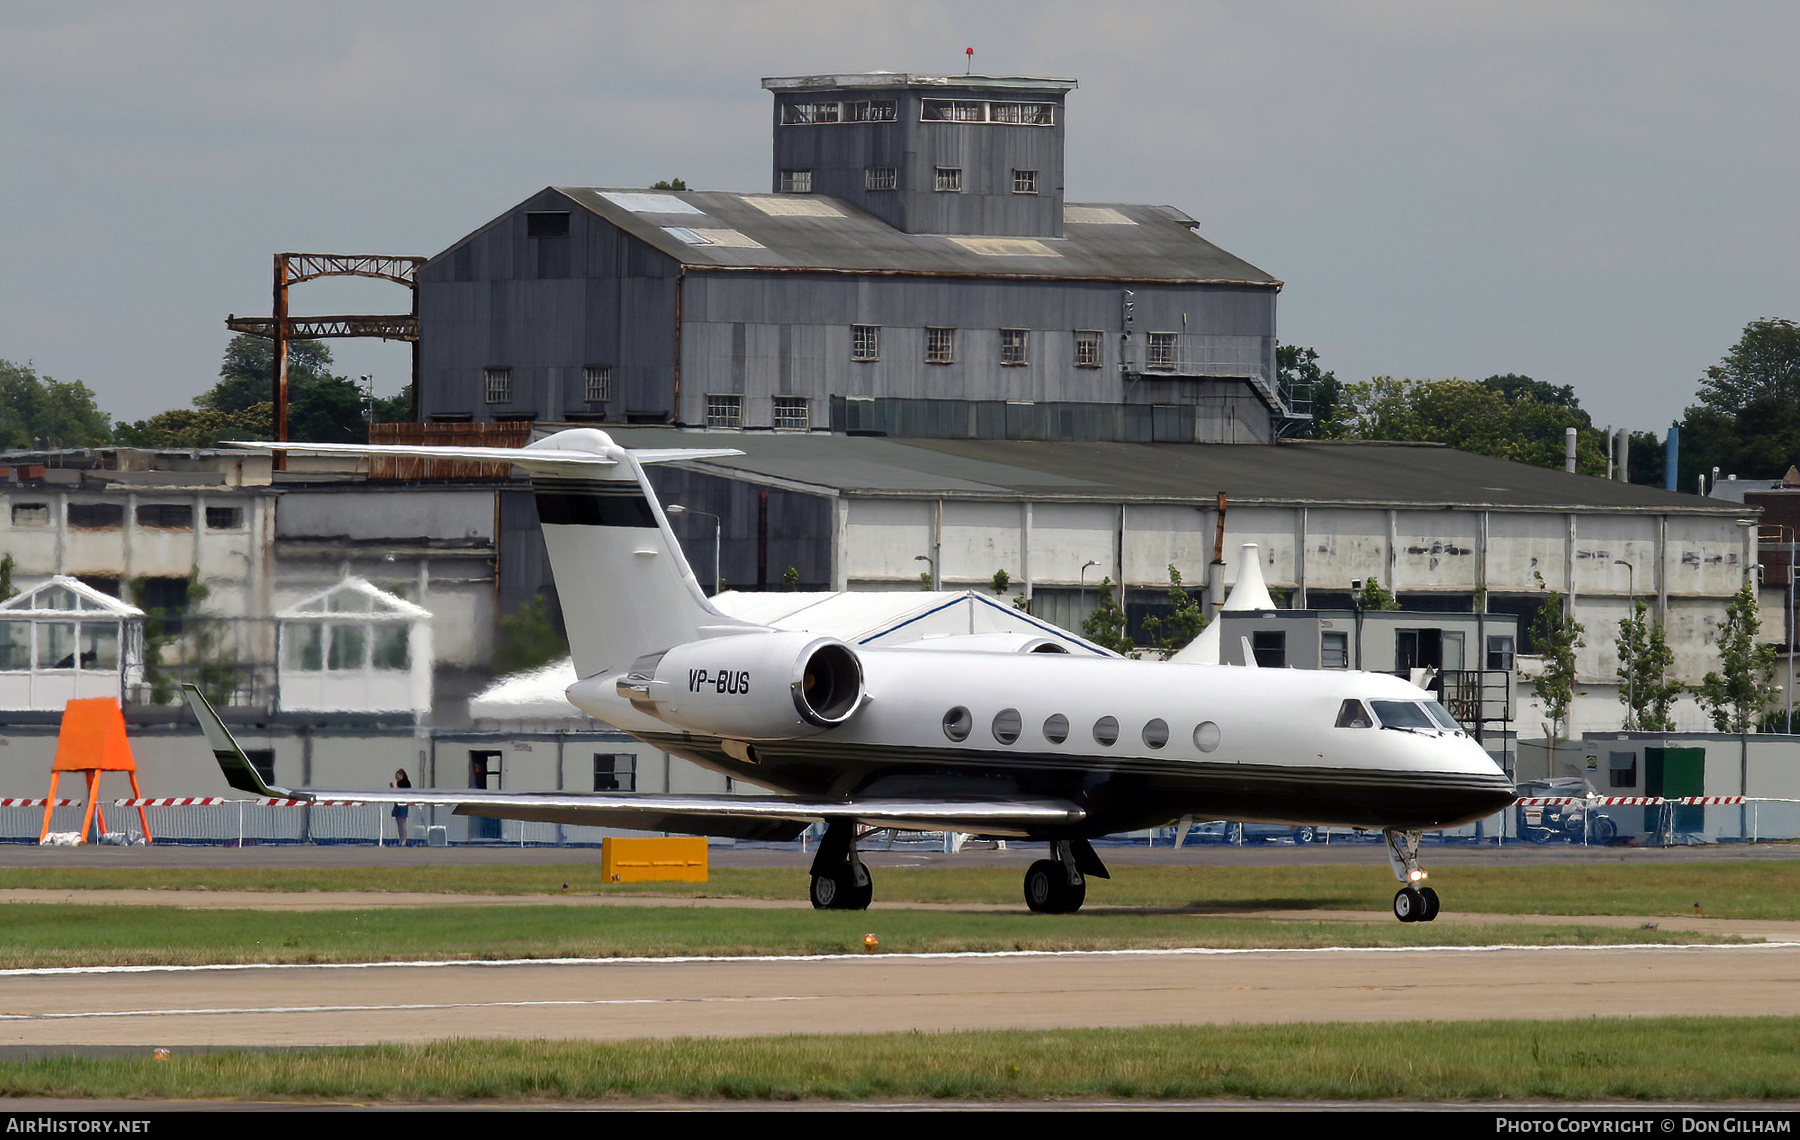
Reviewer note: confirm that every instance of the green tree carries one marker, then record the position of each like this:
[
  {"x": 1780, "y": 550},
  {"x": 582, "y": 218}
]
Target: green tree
[
  {"x": 1375, "y": 596},
  {"x": 42, "y": 412},
  {"x": 1747, "y": 420},
  {"x": 527, "y": 639},
  {"x": 1644, "y": 663},
  {"x": 674, "y": 184},
  {"x": 1737, "y": 692},
  {"x": 1469, "y": 416},
  {"x": 1559, "y": 638},
  {"x": 1298, "y": 368},
  {"x": 1105, "y": 626},
  {"x": 322, "y": 407},
  {"x": 197, "y": 427},
  {"x": 1187, "y": 617}
]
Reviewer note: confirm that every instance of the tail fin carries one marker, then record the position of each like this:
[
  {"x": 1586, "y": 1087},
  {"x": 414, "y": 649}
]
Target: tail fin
[
  {"x": 239, "y": 772},
  {"x": 626, "y": 589}
]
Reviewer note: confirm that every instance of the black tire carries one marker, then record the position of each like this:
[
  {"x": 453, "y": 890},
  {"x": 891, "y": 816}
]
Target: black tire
[
  {"x": 841, "y": 892},
  {"x": 1042, "y": 882},
  {"x": 1539, "y": 834},
  {"x": 1305, "y": 835},
  {"x": 1430, "y": 898},
  {"x": 1234, "y": 834},
  {"x": 1605, "y": 830},
  {"x": 1409, "y": 905}
]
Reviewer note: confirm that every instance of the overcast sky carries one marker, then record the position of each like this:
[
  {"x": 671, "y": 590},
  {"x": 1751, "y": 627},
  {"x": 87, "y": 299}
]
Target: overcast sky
[{"x": 1595, "y": 194}]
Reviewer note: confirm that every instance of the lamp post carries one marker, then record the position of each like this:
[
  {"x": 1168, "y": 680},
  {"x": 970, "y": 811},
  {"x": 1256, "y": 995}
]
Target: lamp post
[
  {"x": 931, "y": 562},
  {"x": 1084, "y": 570},
  {"x": 1631, "y": 723},
  {"x": 718, "y": 537}
]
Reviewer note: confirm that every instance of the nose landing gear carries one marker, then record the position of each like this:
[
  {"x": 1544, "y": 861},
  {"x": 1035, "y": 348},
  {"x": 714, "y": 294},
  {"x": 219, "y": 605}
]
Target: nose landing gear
[{"x": 1412, "y": 903}]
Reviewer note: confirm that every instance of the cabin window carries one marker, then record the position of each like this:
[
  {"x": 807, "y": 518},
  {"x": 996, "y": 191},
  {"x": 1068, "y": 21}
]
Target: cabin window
[
  {"x": 1007, "y": 724},
  {"x": 957, "y": 723},
  {"x": 1351, "y": 714},
  {"x": 1056, "y": 728},
  {"x": 1106, "y": 731},
  {"x": 1156, "y": 733},
  {"x": 1206, "y": 736},
  {"x": 1403, "y": 714}
]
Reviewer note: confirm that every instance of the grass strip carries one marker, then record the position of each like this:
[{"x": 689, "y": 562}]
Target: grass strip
[
  {"x": 1722, "y": 888},
  {"x": 71, "y": 934},
  {"x": 1611, "y": 1059}
]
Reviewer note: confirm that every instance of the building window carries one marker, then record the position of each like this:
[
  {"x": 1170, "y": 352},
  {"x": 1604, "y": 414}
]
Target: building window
[
  {"x": 1025, "y": 182},
  {"x": 1027, "y": 114},
  {"x": 31, "y": 514},
  {"x": 879, "y": 178},
  {"x": 598, "y": 378},
  {"x": 1621, "y": 769},
  {"x": 224, "y": 518},
  {"x": 499, "y": 384},
  {"x": 1269, "y": 646},
  {"x": 796, "y": 182},
  {"x": 1014, "y": 344},
  {"x": 940, "y": 346},
  {"x": 1500, "y": 652},
  {"x": 615, "y": 772},
  {"x": 865, "y": 342},
  {"x": 1161, "y": 354},
  {"x": 870, "y": 111},
  {"x": 1334, "y": 651},
  {"x": 100, "y": 516},
  {"x": 803, "y": 114},
  {"x": 547, "y": 223},
  {"x": 791, "y": 414},
  {"x": 953, "y": 111},
  {"x": 484, "y": 772},
  {"x": 170, "y": 516},
  {"x": 724, "y": 411},
  {"x": 1087, "y": 350},
  {"x": 949, "y": 179}
]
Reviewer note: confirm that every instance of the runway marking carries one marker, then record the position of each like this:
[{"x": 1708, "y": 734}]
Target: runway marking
[
  {"x": 390, "y": 1008},
  {"x": 1187, "y": 951}
]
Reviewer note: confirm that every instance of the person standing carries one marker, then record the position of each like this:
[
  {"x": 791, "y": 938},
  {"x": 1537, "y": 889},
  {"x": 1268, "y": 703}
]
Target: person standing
[{"x": 400, "y": 810}]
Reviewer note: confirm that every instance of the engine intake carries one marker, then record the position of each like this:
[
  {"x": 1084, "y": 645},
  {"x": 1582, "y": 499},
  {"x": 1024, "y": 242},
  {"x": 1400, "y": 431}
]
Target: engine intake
[{"x": 753, "y": 686}]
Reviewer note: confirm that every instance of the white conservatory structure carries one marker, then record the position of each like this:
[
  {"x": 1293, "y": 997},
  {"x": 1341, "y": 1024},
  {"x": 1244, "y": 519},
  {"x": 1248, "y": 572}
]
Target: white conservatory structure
[
  {"x": 355, "y": 648},
  {"x": 62, "y": 640}
]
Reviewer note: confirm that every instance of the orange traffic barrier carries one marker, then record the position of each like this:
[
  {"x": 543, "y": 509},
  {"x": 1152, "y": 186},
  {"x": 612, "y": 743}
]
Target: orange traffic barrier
[
  {"x": 680, "y": 860},
  {"x": 92, "y": 741}
]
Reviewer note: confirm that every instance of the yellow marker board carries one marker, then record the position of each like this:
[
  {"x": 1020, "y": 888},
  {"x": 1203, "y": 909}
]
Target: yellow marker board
[{"x": 679, "y": 860}]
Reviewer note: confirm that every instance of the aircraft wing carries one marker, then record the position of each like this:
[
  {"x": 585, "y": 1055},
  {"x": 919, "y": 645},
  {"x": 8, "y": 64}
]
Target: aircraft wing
[
  {"x": 547, "y": 459},
  {"x": 771, "y": 817}
]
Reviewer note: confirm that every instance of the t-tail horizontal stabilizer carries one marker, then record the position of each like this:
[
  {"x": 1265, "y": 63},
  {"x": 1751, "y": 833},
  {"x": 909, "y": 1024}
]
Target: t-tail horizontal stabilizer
[{"x": 239, "y": 772}]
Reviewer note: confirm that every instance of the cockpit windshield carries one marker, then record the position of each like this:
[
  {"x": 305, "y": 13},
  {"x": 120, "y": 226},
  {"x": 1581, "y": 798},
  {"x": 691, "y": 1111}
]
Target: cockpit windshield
[{"x": 1415, "y": 715}]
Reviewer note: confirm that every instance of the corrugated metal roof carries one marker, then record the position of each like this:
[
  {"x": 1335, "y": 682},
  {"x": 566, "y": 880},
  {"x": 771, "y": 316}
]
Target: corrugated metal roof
[
  {"x": 1324, "y": 474},
  {"x": 1107, "y": 241}
]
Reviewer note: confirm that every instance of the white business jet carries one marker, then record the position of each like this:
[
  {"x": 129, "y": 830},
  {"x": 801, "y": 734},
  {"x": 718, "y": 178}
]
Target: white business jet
[{"x": 990, "y": 734}]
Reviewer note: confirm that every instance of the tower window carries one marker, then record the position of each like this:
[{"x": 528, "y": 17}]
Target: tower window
[
  {"x": 499, "y": 384},
  {"x": 1087, "y": 349},
  {"x": 865, "y": 342},
  {"x": 870, "y": 111},
  {"x": 791, "y": 414},
  {"x": 953, "y": 111},
  {"x": 940, "y": 346},
  {"x": 724, "y": 411}
]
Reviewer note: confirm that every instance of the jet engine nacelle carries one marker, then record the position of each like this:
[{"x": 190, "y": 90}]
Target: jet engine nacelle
[{"x": 752, "y": 686}]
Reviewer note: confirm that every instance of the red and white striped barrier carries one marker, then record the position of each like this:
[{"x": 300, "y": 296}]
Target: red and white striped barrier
[
  {"x": 37, "y": 803},
  {"x": 1635, "y": 801},
  {"x": 214, "y": 801}
]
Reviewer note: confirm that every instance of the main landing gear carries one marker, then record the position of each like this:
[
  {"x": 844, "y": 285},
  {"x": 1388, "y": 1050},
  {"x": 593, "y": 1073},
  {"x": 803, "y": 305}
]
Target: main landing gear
[
  {"x": 1412, "y": 903},
  {"x": 1058, "y": 885},
  {"x": 840, "y": 881}
]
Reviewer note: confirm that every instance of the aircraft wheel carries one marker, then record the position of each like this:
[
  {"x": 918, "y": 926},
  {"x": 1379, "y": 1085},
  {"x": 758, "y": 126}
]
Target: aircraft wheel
[
  {"x": 1409, "y": 905},
  {"x": 1073, "y": 895},
  {"x": 841, "y": 892},
  {"x": 1430, "y": 898},
  {"x": 1041, "y": 882}
]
